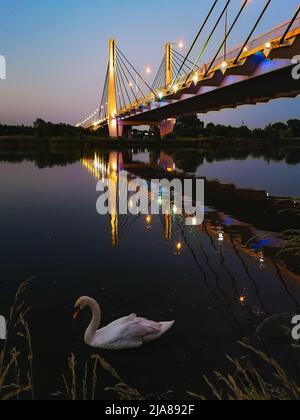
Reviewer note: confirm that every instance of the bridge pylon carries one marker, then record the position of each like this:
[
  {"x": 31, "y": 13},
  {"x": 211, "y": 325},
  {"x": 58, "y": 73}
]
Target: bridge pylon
[
  {"x": 167, "y": 126},
  {"x": 169, "y": 64},
  {"x": 112, "y": 90}
]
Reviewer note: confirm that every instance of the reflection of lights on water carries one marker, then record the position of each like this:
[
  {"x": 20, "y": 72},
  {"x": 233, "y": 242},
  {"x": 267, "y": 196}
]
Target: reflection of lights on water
[
  {"x": 148, "y": 220},
  {"x": 179, "y": 246},
  {"x": 221, "y": 237},
  {"x": 261, "y": 260},
  {"x": 243, "y": 300}
]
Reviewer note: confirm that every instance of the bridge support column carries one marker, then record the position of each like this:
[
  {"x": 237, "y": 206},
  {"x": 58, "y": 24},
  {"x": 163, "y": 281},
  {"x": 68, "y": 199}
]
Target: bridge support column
[
  {"x": 124, "y": 131},
  {"x": 127, "y": 132},
  {"x": 169, "y": 64},
  {"x": 112, "y": 91},
  {"x": 166, "y": 127}
]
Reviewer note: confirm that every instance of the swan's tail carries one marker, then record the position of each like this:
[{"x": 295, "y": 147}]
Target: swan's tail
[{"x": 164, "y": 327}]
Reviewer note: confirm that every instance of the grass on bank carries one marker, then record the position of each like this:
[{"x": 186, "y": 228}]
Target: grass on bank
[
  {"x": 16, "y": 366},
  {"x": 245, "y": 383}
]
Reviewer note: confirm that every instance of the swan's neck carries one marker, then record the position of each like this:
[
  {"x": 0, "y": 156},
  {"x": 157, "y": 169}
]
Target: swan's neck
[{"x": 95, "y": 322}]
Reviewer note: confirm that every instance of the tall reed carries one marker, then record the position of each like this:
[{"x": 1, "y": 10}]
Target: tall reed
[
  {"x": 248, "y": 383},
  {"x": 13, "y": 371},
  {"x": 82, "y": 384}
]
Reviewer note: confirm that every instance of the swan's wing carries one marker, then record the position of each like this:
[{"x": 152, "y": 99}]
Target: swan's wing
[
  {"x": 126, "y": 319},
  {"x": 122, "y": 334},
  {"x": 141, "y": 328}
]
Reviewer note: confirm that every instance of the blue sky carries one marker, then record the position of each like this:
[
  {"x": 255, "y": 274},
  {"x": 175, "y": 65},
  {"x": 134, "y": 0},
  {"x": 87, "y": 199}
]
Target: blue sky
[{"x": 56, "y": 52}]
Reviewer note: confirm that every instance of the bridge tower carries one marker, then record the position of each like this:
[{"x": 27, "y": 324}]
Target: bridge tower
[
  {"x": 169, "y": 64},
  {"x": 167, "y": 126},
  {"x": 112, "y": 91}
]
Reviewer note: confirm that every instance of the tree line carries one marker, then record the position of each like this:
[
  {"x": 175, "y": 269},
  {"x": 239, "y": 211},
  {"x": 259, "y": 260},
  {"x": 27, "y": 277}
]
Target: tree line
[
  {"x": 192, "y": 126},
  {"x": 185, "y": 127},
  {"x": 42, "y": 129}
]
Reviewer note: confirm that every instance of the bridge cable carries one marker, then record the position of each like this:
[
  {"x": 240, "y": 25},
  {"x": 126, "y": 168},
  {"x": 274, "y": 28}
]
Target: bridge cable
[
  {"x": 180, "y": 62},
  {"x": 208, "y": 39},
  {"x": 227, "y": 36},
  {"x": 160, "y": 69},
  {"x": 139, "y": 75},
  {"x": 130, "y": 74},
  {"x": 103, "y": 94},
  {"x": 161, "y": 81},
  {"x": 197, "y": 37},
  {"x": 177, "y": 63},
  {"x": 119, "y": 88},
  {"x": 158, "y": 74},
  {"x": 124, "y": 84},
  {"x": 118, "y": 92},
  {"x": 252, "y": 31},
  {"x": 128, "y": 81},
  {"x": 103, "y": 98},
  {"x": 183, "y": 58},
  {"x": 290, "y": 25}
]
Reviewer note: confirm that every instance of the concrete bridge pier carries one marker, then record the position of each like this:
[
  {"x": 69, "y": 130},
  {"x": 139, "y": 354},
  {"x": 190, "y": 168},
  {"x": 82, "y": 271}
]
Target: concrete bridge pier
[
  {"x": 127, "y": 132},
  {"x": 166, "y": 127},
  {"x": 124, "y": 131}
]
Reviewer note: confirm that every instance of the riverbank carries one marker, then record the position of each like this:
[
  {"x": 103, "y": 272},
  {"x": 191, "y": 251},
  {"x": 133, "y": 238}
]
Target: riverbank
[{"x": 19, "y": 142}]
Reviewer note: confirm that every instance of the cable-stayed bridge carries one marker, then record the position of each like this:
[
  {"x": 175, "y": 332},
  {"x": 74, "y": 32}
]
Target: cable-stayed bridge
[{"x": 259, "y": 70}]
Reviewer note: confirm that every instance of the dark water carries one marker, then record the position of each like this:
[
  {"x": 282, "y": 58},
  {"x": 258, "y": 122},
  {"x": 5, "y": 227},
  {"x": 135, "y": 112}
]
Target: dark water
[{"x": 219, "y": 287}]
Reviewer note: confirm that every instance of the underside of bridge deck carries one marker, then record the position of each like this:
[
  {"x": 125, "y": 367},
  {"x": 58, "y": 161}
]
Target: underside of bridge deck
[{"x": 249, "y": 91}]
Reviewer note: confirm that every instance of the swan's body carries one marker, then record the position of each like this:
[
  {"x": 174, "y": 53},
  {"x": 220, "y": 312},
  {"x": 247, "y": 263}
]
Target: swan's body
[{"x": 125, "y": 333}]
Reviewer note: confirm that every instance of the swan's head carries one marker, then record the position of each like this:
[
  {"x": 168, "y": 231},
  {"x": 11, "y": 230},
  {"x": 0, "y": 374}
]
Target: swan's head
[{"x": 80, "y": 304}]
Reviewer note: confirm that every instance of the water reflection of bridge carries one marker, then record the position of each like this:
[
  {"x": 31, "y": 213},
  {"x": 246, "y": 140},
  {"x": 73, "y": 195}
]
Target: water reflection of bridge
[
  {"x": 224, "y": 249},
  {"x": 229, "y": 200}
]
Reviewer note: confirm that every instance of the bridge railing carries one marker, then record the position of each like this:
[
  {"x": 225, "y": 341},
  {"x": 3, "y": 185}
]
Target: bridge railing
[{"x": 259, "y": 41}]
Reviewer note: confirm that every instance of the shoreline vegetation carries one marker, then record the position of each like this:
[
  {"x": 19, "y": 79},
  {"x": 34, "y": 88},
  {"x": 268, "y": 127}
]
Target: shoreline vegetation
[
  {"x": 189, "y": 132},
  {"x": 254, "y": 376}
]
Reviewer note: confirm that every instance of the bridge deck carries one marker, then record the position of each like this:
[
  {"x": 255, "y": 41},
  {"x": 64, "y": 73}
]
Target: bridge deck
[
  {"x": 256, "y": 78},
  {"x": 263, "y": 73}
]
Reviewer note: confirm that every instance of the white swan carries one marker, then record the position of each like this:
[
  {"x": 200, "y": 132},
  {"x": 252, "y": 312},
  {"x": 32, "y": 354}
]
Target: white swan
[{"x": 125, "y": 333}]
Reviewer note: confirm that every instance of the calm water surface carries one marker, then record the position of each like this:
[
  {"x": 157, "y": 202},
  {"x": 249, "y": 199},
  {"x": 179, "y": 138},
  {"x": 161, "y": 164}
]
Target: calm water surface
[{"x": 218, "y": 291}]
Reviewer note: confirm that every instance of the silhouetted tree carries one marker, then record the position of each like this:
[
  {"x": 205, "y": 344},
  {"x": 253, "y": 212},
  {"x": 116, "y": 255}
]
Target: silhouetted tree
[
  {"x": 294, "y": 126},
  {"x": 189, "y": 126}
]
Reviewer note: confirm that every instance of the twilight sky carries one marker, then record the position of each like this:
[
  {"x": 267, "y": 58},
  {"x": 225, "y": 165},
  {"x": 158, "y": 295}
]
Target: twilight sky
[{"x": 56, "y": 52}]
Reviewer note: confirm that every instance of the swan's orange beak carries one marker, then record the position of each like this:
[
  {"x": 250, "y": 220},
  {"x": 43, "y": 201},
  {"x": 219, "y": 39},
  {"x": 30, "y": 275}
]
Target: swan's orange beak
[{"x": 76, "y": 313}]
